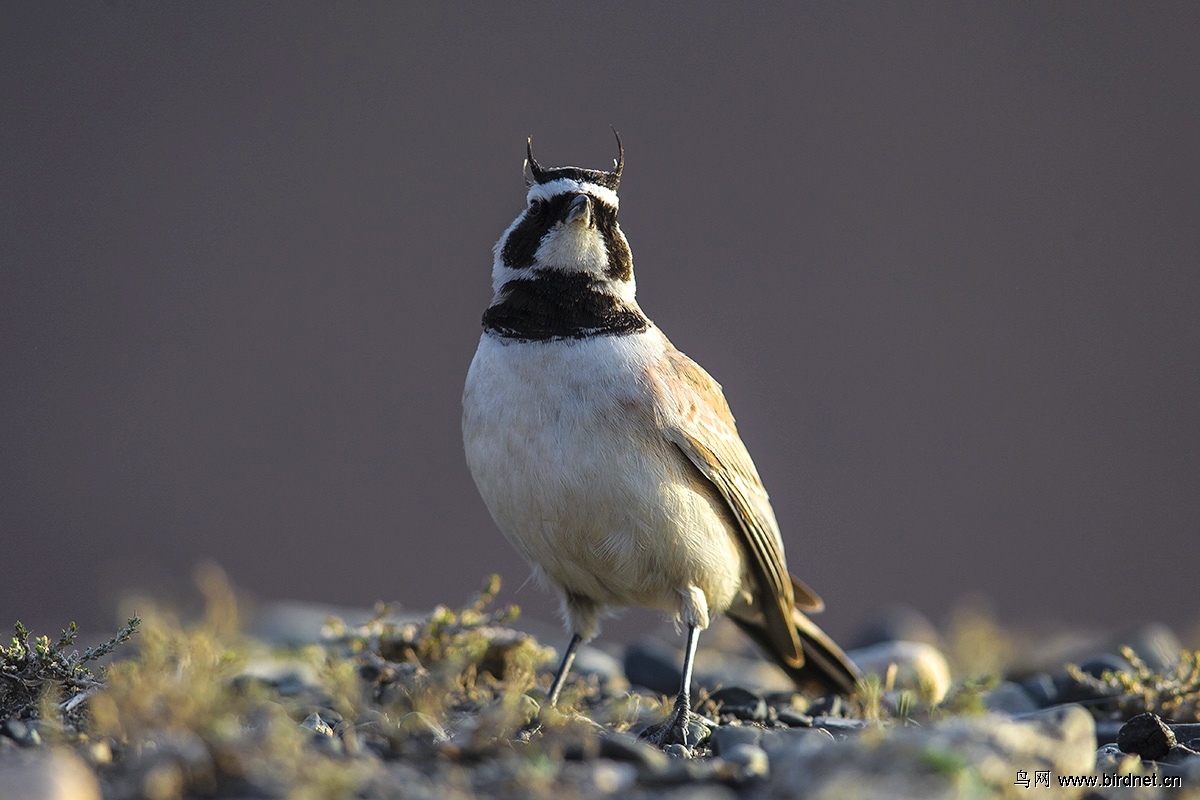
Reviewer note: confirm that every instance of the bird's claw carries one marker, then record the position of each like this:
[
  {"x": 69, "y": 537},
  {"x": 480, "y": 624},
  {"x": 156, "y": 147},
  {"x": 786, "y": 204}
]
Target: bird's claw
[{"x": 683, "y": 727}]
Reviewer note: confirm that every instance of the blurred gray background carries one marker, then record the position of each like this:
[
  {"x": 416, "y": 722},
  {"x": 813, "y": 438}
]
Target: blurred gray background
[{"x": 945, "y": 260}]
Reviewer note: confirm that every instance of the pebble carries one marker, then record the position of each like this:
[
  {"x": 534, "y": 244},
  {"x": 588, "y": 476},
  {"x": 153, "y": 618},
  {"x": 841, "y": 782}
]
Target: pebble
[
  {"x": 1155, "y": 644},
  {"x": 624, "y": 748},
  {"x": 652, "y": 664},
  {"x": 989, "y": 749},
  {"x": 1010, "y": 698},
  {"x": 317, "y": 725},
  {"x": 1147, "y": 736},
  {"x": 740, "y": 703},
  {"x": 893, "y": 623},
  {"x": 1180, "y": 754},
  {"x": 609, "y": 673},
  {"x": 1096, "y": 665},
  {"x": 917, "y": 666},
  {"x": 727, "y": 737},
  {"x": 793, "y": 718},
  {"x": 678, "y": 751},
  {"x": 831, "y": 705},
  {"x": 424, "y": 728},
  {"x": 751, "y": 759},
  {"x": 1041, "y": 688},
  {"x": 839, "y": 726},
  {"x": 51, "y": 774},
  {"x": 21, "y": 732}
]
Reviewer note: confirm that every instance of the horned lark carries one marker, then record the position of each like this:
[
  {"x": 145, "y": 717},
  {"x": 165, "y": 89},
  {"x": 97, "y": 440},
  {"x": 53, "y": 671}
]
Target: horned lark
[{"x": 609, "y": 459}]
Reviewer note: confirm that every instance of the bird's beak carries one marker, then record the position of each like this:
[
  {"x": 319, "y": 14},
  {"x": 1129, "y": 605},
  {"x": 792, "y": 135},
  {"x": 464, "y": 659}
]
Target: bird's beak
[{"x": 580, "y": 210}]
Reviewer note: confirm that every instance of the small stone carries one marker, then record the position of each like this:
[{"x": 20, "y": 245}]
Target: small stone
[
  {"x": 839, "y": 726},
  {"x": 21, "y": 732},
  {"x": 1009, "y": 697},
  {"x": 678, "y": 751},
  {"x": 751, "y": 759},
  {"x": 1101, "y": 663},
  {"x": 1147, "y": 736},
  {"x": 423, "y": 728},
  {"x": 1180, "y": 754},
  {"x": 789, "y": 699},
  {"x": 916, "y": 666},
  {"x": 1186, "y": 731},
  {"x": 625, "y": 748},
  {"x": 1155, "y": 644},
  {"x": 1041, "y": 689},
  {"x": 740, "y": 703},
  {"x": 789, "y": 742},
  {"x": 50, "y": 774},
  {"x": 831, "y": 705},
  {"x": 654, "y": 665},
  {"x": 793, "y": 718},
  {"x": 894, "y": 623},
  {"x": 726, "y": 737},
  {"x": 610, "y": 777},
  {"x": 607, "y": 670},
  {"x": 317, "y": 725}
]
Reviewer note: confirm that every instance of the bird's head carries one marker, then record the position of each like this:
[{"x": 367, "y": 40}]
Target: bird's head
[{"x": 568, "y": 226}]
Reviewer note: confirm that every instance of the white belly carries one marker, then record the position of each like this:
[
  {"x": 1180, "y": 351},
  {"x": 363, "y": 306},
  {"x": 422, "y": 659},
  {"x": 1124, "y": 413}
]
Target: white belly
[{"x": 561, "y": 441}]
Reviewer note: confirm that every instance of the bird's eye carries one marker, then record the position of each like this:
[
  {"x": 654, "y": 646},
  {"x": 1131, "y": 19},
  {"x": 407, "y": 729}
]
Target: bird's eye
[{"x": 536, "y": 207}]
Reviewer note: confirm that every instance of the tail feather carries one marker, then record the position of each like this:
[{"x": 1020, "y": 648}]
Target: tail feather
[{"x": 826, "y": 667}]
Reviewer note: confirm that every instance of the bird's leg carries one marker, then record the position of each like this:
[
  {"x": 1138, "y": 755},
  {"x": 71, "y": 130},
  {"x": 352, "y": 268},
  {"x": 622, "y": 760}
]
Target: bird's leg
[
  {"x": 674, "y": 730},
  {"x": 535, "y": 725},
  {"x": 561, "y": 677}
]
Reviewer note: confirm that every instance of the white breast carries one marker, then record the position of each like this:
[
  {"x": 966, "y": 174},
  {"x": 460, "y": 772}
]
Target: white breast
[{"x": 563, "y": 442}]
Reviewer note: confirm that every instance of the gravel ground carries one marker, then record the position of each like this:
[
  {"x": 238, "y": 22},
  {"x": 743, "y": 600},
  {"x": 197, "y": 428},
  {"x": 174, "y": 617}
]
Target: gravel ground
[{"x": 448, "y": 705}]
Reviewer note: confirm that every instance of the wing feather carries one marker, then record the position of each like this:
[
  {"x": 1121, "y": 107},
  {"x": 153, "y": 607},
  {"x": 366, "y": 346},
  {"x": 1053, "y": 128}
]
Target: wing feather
[{"x": 697, "y": 420}]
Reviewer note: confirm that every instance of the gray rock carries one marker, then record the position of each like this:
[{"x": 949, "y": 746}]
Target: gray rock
[
  {"x": 915, "y": 666},
  {"x": 1147, "y": 736},
  {"x": 839, "y": 726},
  {"x": 1096, "y": 665},
  {"x": 423, "y": 728},
  {"x": 651, "y": 663},
  {"x": 891, "y": 624},
  {"x": 1155, "y": 644},
  {"x": 831, "y": 705},
  {"x": 624, "y": 748},
  {"x": 937, "y": 761},
  {"x": 740, "y": 703},
  {"x": 793, "y": 718},
  {"x": 317, "y": 725},
  {"x": 1010, "y": 698},
  {"x": 20, "y": 732},
  {"x": 1041, "y": 688},
  {"x": 1109, "y": 758},
  {"x": 1180, "y": 754},
  {"x": 1185, "y": 732},
  {"x": 793, "y": 743},
  {"x": 678, "y": 751},
  {"x": 50, "y": 774},
  {"x": 592, "y": 662},
  {"x": 727, "y": 737},
  {"x": 750, "y": 759}
]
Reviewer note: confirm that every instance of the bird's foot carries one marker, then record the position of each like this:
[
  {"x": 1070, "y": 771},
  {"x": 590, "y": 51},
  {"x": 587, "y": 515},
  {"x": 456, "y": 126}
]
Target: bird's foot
[{"x": 683, "y": 727}]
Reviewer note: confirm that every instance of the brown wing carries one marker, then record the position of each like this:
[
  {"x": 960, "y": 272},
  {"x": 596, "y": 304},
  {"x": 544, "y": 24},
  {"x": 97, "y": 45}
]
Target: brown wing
[{"x": 697, "y": 420}]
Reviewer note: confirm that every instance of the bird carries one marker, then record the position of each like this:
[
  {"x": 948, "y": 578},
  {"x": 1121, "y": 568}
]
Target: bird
[{"x": 610, "y": 460}]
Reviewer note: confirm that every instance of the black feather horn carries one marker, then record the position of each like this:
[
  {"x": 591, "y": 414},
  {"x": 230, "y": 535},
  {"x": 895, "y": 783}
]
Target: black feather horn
[
  {"x": 616, "y": 174},
  {"x": 539, "y": 174}
]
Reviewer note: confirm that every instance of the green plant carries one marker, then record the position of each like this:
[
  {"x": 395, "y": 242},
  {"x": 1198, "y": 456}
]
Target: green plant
[
  {"x": 36, "y": 674},
  {"x": 1174, "y": 693}
]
